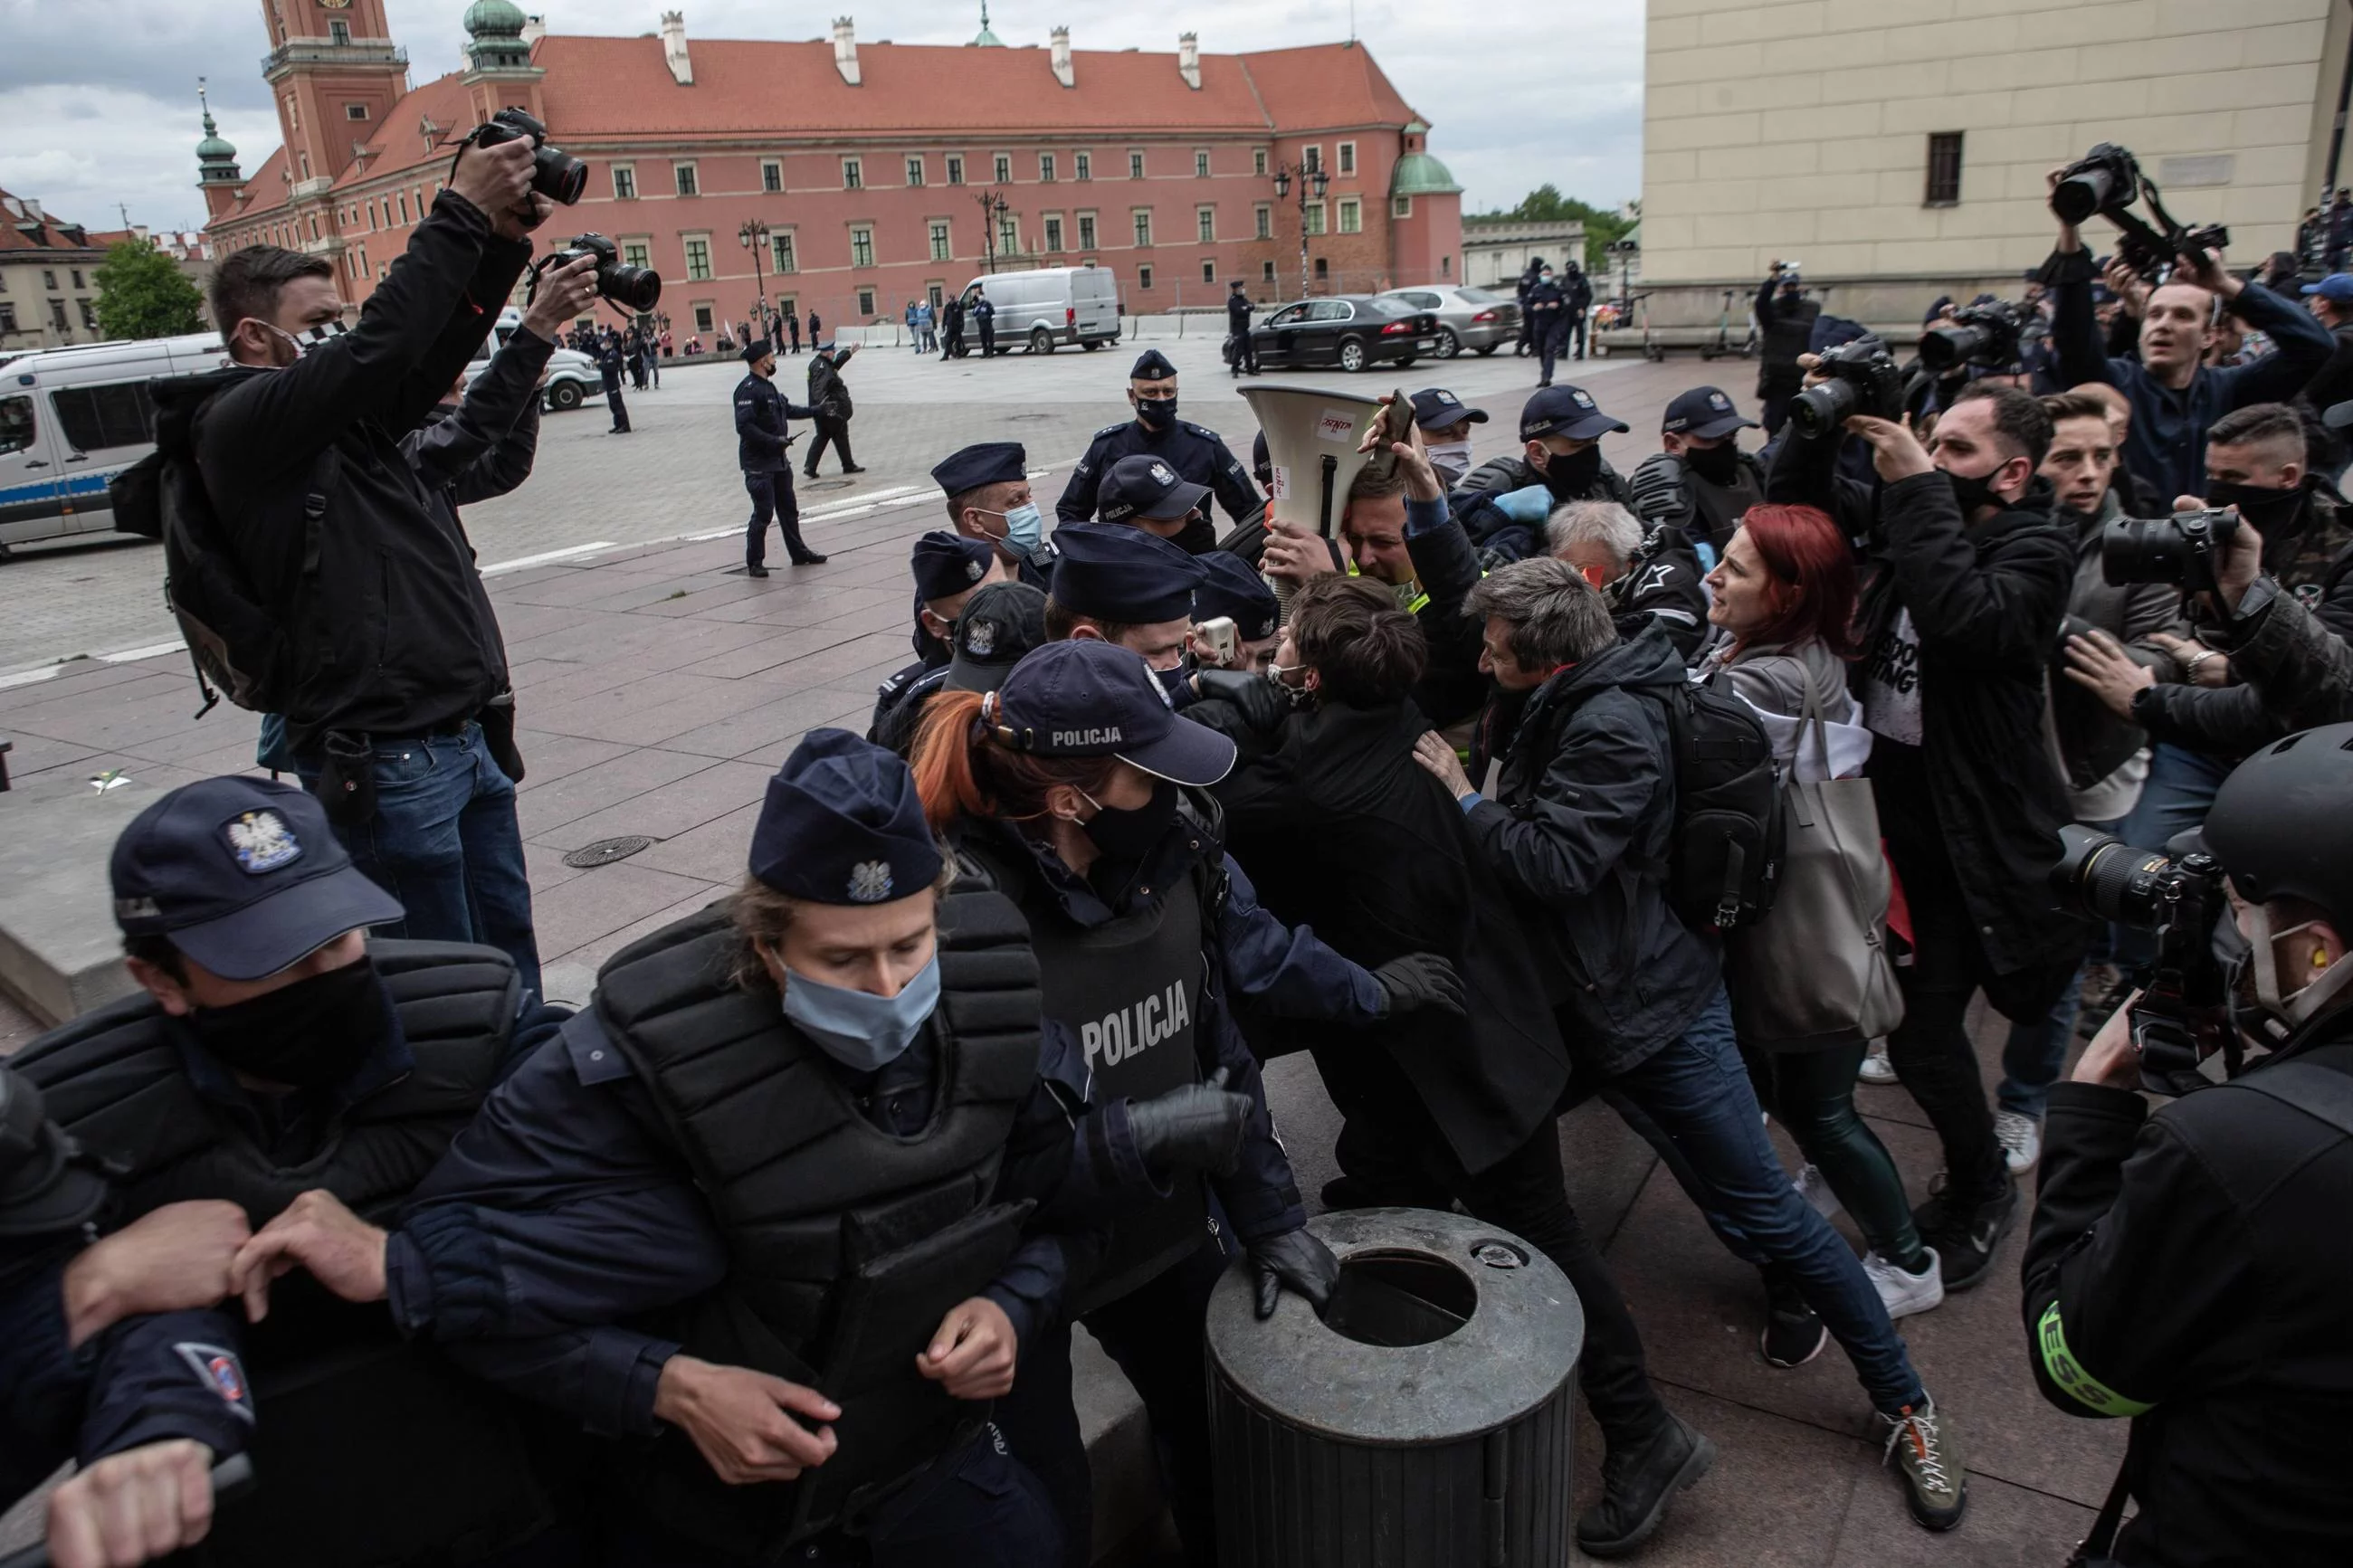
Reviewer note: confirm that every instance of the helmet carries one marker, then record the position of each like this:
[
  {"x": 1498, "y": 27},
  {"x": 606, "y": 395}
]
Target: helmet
[{"x": 2280, "y": 824}]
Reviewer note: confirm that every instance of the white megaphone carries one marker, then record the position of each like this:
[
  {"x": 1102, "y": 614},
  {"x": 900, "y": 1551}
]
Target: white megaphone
[{"x": 1312, "y": 436}]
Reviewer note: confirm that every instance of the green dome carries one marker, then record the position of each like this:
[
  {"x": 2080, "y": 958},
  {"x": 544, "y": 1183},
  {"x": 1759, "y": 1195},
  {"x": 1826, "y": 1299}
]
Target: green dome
[
  {"x": 214, "y": 148},
  {"x": 500, "y": 16},
  {"x": 1419, "y": 175},
  {"x": 987, "y": 38}
]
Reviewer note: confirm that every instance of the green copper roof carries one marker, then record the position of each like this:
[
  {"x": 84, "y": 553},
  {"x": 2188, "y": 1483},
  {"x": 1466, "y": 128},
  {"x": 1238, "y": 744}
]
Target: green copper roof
[
  {"x": 988, "y": 39},
  {"x": 493, "y": 16},
  {"x": 1419, "y": 175}
]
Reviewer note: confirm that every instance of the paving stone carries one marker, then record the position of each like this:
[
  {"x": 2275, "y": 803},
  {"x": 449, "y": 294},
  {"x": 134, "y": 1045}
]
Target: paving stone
[
  {"x": 625, "y": 777},
  {"x": 759, "y": 733},
  {"x": 678, "y": 806},
  {"x": 575, "y": 913}
]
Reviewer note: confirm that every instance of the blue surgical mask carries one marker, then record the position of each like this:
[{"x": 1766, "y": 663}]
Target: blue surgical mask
[
  {"x": 863, "y": 1031},
  {"x": 1025, "y": 530}
]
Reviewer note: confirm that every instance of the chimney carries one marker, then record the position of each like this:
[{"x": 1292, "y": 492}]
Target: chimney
[
  {"x": 1188, "y": 60},
  {"x": 673, "y": 37},
  {"x": 1063, "y": 73},
  {"x": 534, "y": 28},
  {"x": 33, "y": 210},
  {"x": 845, "y": 49}
]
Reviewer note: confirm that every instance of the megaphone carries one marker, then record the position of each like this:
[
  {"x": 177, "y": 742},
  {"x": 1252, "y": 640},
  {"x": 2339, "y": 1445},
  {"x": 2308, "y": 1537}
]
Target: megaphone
[{"x": 1312, "y": 436}]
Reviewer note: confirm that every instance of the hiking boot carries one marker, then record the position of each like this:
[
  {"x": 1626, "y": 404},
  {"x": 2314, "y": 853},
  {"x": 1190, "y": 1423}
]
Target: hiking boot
[
  {"x": 1876, "y": 1067},
  {"x": 1638, "y": 1482},
  {"x": 1815, "y": 1188},
  {"x": 1903, "y": 1292},
  {"x": 1927, "y": 1452},
  {"x": 1964, "y": 1232},
  {"x": 1793, "y": 1335},
  {"x": 2020, "y": 1137}
]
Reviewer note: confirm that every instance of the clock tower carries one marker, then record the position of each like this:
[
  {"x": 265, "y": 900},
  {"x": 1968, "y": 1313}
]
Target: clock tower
[{"x": 336, "y": 73}]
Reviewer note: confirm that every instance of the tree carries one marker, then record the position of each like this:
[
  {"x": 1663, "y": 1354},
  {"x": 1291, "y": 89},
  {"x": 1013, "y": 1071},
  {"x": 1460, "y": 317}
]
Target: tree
[
  {"x": 1547, "y": 205},
  {"x": 142, "y": 293}
]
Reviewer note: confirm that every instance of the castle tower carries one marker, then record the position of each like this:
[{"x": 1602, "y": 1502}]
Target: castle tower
[{"x": 216, "y": 171}]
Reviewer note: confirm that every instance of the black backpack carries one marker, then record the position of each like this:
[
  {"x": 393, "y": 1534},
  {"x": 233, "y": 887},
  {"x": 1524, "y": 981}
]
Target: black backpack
[{"x": 1726, "y": 863}]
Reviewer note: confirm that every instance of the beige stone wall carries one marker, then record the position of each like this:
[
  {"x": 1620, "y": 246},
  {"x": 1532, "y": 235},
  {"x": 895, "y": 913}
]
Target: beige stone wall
[{"x": 1800, "y": 128}]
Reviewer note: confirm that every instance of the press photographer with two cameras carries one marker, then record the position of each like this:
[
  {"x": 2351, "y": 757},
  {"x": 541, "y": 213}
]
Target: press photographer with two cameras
[
  {"x": 2186, "y": 1268},
  {"x": 2176, "y": 395}
]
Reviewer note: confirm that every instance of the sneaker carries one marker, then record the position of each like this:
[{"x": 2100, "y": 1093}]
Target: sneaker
[
  {"x": 2020, "y": 1137},
  {"x": 1903, "y": 1292},
  {"x": 1876, "y": 1069},
  {"x": 1928, "y": 1452},
  {"x": 1638, "y": 1482},
  {"x": 1965, "y": 1233},
  {"x": 1815, "y": 1188}
]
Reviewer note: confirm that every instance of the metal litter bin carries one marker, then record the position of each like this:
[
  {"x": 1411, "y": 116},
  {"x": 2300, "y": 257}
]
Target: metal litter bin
[{"x": 1424, "y": 1421}]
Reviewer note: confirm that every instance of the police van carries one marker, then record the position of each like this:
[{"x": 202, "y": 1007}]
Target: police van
[
  {"x": 1044, "y": 306},
  {"x": 71, "y": 419},
  {"x": 572, "y": 376}
]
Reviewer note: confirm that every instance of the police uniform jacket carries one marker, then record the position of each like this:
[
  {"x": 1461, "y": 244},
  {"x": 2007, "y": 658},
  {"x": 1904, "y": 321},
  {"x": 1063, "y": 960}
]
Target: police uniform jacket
[
  {"x": 608, "y": 364},
  {"x": 1197, "y": 453},
  {"x": 1497, "y": 535},
  {"x": 760, "y": 414}
]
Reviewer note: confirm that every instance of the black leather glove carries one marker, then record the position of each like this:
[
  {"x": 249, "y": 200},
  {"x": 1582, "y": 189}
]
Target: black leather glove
[
  {"x": 1419, "y": 980},
  {"x": 1195, "y": 1128},
  {"x": 1297, "y": 1259},
  {"x": 1264, "y": 704}
]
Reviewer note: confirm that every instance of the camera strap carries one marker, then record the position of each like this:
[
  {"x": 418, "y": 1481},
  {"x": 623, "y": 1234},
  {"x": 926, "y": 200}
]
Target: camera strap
[{"x": 2093, "y": 1551}]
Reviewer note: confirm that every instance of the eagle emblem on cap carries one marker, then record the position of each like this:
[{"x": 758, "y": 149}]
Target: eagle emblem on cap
[
  {"x": 980, "y": 638},
  {"x": 262, "y": 841},
  {"x": 1582, "y": 399},
  {"x": 972, "y": 570},
  {"x": 1445, "y": 396},
  {"x": 1717, "y": 400},
  {"x": 1160, "y": 473},
  {"x": 870, "y": 882}
]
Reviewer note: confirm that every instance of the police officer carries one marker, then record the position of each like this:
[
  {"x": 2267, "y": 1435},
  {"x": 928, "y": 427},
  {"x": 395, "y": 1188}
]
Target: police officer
[
  {"x": 1698, "y": 487},
  {"x": 1502, "y": 503},
  {"x": 1118, "y": 585},
  {"x": 1785, "y": 321},
  {"x": 795, "y": 1198},
  {"x": 1003, "y": 622},
  {"x": 1521, "y": 287},
  {"x": 1081, "y": 795},
  {"x": 1195, "y": 451},
  {"x": 1232, "y": 592},
  {"x": 949, "y": 568},
  {"x": 1143, "y": 490},
  {"x": 1239, "y": 306},
  {"x": 1548, "y": 307},
  {"x": 610, "y": 364},
  {"x": 984, "y": 317},
  {"x": 1445, "y": 422},
  {"x": 1577, "y": 299},
  {"x": 764, "y": 451},
  {"x": 989, "y": 499},
  {"x": 273, "y": 1048},
  {"x": 828, "y": 395},
  {"x": 111, "y": 1352}
]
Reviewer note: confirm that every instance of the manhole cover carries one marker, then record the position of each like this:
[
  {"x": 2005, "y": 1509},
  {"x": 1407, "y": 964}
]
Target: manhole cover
[
  {"x": 826, "y": 484},
  {"x": 604, "y": 851}
]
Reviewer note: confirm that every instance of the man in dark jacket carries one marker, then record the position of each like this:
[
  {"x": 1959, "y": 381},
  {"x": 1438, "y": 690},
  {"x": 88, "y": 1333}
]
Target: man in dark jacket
[
  {"x": 1502, "y": 503},
  {"x": 764, "y": 451},
  {"x": 1701, "y": 483},
  {"x": 1577, "y": 299},
  {"x": 829, "y": 398},
  {"x": 1238, "y": 307},
  {"x": 383, "y": 651},
  {"x": 1546, "y": 307},
  {"x": 610, "y": 364},
  {"x": 2330, "y": 301},
  {"x": 1785, "y": 319}
]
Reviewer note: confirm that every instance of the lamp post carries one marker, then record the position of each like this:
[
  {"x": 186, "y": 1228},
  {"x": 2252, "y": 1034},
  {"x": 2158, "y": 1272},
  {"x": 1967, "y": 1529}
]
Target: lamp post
[
  {"x": 753, "y": 237},
  {"x": 1625, "y": 250},
  {"x": 1310, "y": 180},
  {"x": 992, "y": 213}
]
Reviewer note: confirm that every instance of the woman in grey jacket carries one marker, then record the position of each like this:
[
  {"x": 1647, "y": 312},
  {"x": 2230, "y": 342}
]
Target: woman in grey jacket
[{"x": 1783, "y": 604}]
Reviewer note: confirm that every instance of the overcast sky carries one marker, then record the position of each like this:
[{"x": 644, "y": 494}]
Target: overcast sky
[{"x": 100, "y": 101}]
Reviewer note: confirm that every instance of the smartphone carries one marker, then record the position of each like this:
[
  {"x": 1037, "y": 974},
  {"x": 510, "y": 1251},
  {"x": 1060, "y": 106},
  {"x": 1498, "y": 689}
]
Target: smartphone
[{"x": 1217, "y": 637}]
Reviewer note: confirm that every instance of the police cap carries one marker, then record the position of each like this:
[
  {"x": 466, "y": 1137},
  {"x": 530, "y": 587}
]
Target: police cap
[
  {"x": 1231, "y": 588},
  {"x": 1114, "y": 573},
  {"x": 983, "y": 463},
  {"x": 1146, "y": 487},
  {"x": 1093, "y": 699},
  {"x": 1565, "y": 411},
  {"x": 1706, "y": 412},
  {"x": 843, "y": 825},
  {"x": 757, "y": 349},
  {"x": 946, "y": 563},
  {"x": 1000, "y": 624},
  {"x": 1151, "y": 365},
  {"x": 1435, "y": 408}
]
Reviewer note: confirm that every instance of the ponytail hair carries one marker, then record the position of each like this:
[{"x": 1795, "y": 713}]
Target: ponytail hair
[{"x": 967, "y": 770}]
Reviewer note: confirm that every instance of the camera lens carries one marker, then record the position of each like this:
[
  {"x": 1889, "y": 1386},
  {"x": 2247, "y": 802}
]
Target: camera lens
[
  {"x": 558, "y": 175},
  {"x": 1819, "y": 410},
  {"x": 637, "y": 288},
  {"x": 2142, "y": 550},
  {"x": 1949, "y": 347},
  {"x": 2083, "y": 195},
  {"x": 2108, "y": 879}
]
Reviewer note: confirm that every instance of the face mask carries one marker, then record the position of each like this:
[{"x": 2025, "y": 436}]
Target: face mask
[
  {"x": 313, "y": 1034},
  {"x": 316, "y": 337},
  {"x": 1130, "y": 835},
  {"x": 1450, "y": 458},
  {"x": 1025, "y": 530},
  {"x": 1174, "y": 683},
  {"x": 2273, "y": 512},
  {"x": 1570, "y": 477},
  {"x": 1158, "y": 413},
  {"x": 2299, "y": 1008},
  {"x": 1973, "y": 492},
  {"x": 1717, "y": 465},
  {"x": 858, "y": 1029}
]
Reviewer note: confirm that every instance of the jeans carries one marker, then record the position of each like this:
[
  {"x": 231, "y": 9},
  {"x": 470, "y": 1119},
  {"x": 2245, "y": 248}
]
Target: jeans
[
  {"x": 772, "y": 496},
  {"x": 2036, "y": 1049},
  {"x": 1814, "y": 1098},
  {"x": 443, "y": 841},
  {"x": 1697, "y": 1090}
]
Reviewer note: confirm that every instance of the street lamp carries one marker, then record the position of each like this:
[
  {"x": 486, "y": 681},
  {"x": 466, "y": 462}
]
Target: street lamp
[
  {"x": 753, "y": 235},
  {"x": 1625, "y": 250},
  {"x": 992, "y": 213},
  {"x": 1311, "y": 180}
]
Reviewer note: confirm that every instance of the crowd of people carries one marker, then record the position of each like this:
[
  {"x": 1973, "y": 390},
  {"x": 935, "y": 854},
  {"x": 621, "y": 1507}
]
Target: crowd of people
[{"x": 1533, "y": 783}]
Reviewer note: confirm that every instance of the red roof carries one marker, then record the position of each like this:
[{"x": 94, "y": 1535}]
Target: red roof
[
  {"x": 1323, "y": 85},
  {"x": 49, "y": 235}
]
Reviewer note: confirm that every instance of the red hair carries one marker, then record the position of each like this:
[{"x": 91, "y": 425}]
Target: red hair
[{"x": 1809, "y": 580}]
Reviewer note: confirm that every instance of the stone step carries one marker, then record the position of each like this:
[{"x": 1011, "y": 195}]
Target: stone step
[{"x": 60, "y": 954}]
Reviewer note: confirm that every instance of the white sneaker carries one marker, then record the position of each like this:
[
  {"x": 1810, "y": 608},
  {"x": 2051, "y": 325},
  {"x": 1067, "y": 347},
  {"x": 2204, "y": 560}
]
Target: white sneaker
[
  {"x": 2020, "y": 1137},
  {"x": 1815, "y": 1188},
  {"x": 1877, "y": 1069},
  {"x": 1903, "y": 1294}
]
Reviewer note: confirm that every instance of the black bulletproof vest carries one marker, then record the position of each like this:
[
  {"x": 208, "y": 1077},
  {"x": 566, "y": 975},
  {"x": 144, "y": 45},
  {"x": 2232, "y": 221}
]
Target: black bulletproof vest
[
  {"x": 846, "y": 1243},
  {"x": 371, "y": 1450},
  {"x": 1719, "y": 507}
]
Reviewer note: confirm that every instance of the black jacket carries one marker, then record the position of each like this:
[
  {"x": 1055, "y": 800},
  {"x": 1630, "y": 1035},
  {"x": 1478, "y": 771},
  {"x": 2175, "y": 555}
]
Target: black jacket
[
  {"x": 394, "y": 634},
  {"x": 2333, "y": 382},
  {"x": 1346, "y": 832},
  {"x": 1787, "y": 329},
  {"x": 761, "y": 411},
  {"x": 1451, "y": 687},
  {"x": 1663, "y": 589},
  {"x": 1579, "y": 833},
  {"x": 827, "y": 393},
  {"x": 485, "y": 445},
  {"x": 1498, "y": 536},
  {"x": 2188, "y": 1270}
]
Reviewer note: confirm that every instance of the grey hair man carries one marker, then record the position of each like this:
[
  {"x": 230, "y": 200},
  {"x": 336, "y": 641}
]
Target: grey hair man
[{"x": 1645, "y": 577}]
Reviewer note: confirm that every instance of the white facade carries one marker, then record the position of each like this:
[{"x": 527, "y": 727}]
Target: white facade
[{"x": 1496, "y": 252}]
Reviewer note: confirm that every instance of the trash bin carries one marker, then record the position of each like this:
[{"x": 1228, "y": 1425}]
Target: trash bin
[{"x": 1424, "y": 1421}]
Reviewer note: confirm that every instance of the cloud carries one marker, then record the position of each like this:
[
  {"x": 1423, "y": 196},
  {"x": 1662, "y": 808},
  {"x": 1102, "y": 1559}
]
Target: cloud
[{"x": 1527, "y": 92}]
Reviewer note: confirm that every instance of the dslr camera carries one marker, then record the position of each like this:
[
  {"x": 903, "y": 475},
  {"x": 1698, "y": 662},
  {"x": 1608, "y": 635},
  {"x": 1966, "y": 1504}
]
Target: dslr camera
[
  {"x": 2184, "y": 548},
  {"x": 2104, "y": 182},
  {"x": 635, "y": 289},
  {"x": 1986, "y": 335},
  {"x": 554, "y": 173},
  {"x": 1864, "y": 380},
  {"x": 2181, "y": 1022}
]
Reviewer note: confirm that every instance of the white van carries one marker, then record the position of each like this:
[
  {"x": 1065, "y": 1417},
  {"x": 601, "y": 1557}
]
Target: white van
[
  {"x": 1047, "y": 305},
  {"x": 71, "y": 419},
  {"x": 572, "y": 376}
]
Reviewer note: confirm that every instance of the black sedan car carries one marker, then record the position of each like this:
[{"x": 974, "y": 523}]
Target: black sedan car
[{"x": 1354, "y": 331}]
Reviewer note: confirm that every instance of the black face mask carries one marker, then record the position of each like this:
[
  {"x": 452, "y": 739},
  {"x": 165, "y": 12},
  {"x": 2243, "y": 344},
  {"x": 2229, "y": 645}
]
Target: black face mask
[
  {"x": 1572, "y": 478},
  {"x": 1158, "y": 413},
  {"x": 1717, "y": 465},
  {"x": 2272, "y": 511},
  {"x": 313, "y": 1034},
  {"x": 1974, "y": 491},
  {"x": 1127, "y": 836}
]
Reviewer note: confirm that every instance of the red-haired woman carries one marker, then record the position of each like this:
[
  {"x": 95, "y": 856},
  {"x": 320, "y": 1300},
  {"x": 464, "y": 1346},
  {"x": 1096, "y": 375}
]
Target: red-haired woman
[{"x": 1784, "y": 600}]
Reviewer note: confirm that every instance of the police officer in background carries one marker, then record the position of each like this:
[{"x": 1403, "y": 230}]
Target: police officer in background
[
  {"x": 1195, "y": 451},
  {"x": 949, "y": 568},
  {"x": 1146, "y": 492},
  {"x": 1237, "y": 623},
  {"x": 112, "y": 1352},
  {"x": 1577, "y": 299},
  {"x": 1445, "y": 422},
  {"x": 764, "y": 451},
  {"x": 610, "y": 364},
  {"x": 1547, "y": 305},
  {"x": 989, "y": 499},
  {"x": 828, "y": 395},
  {"x": 1698, "y": 487},
  {"x": 1002, "y": 622},
  {"x": 984, "y": 319},
  {"x": 1080, "y": 794},
  {"x": 1238, "y": 307},
  {"x": 274, "y": 1048},
  {"x": 1785, "y": 319},
  {"x": 1502, "y": 503}
]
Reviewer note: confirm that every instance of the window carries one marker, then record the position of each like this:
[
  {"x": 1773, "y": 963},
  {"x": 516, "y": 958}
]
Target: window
[
  {"x": 781, "y": 254},
  {"x": 79, "y": 284},
  {"x": 1257, "y": 162},
  {"x": 1143, "y": 216},
  {"x": 697, "y": 257},
  {"x": 853, "y": 175},
  {"x": 866, "y": 302},
  {"x": 339, "y": 32},
  {"x": 861, "y": 246},
  {"x": 940, "y": 248},
  {"x": 956, "y": 169},
  {"x": 1134, "y": 165},
  {"x": 1313, "y": 157},
  {"x": 57, "y": 316},
  {"x": 1313, "y": 216},
  {"x": 293, "y": 113},
  {"x": 1086, "y": 231},
  {"x": 1046, "y": 167},
  {"x": 92, "y": 417},
  {"x": 684, "y": 177},
  {"x": 355, "y": 111},
  {"x": 1323, "y": 270},
  {"x": 702, "y": 318},
  {"x": 1205, "y": 220},
  {"x": 1266, "y": 271},
  {"x": 1209, "y": 271},
  {"x": 1348, "y": 157},
  {"x": 1262, "y": 221},
  {"x": 772, "y": 176},
  {"x": 1352, "y": 215},
  {"x": 1200, "y": 163},
  {"x": 1001, "y": 168},
  {"x": 404, "y": 209},
  {"x": 1008, "y": 235},
  {"x": 937, "y": 294},
  {"x": 1944, "y": 169},
  {"x": 1082, "y": 165},
  {"x": 633, "y": 253},
  {"x": 1400, "y": 206},
  {"x": 1446, "y": 266},
  {"x": 16, "y": 413},
  {"x": 48, "y": 277},
  {"x": 89, "y": 314},
  {"x": 1144, "y": 276},
  {"x": 1053, "y": 231}
]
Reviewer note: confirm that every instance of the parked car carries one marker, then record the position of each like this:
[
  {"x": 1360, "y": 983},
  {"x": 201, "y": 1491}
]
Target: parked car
[
  {"x": 1468, "y": 317},
  {"x": 572, "y": 376},
  {"x": 1041, "y": 308},
  {"x": 1353, "y": 331},
  {"x": 71, "y": 419}
]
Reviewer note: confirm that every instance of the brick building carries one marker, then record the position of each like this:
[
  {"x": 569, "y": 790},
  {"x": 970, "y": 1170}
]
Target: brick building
[{"x": 868, "y": 162}]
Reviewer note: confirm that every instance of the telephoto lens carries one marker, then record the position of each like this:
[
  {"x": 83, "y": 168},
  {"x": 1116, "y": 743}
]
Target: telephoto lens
[
  {"x": 2180, "y": 549},
  {"x": 1819, "y": 410},
  {"x": 636, "y": 289},
  {"x": 558, "y": 175},
  {"x": 2108, "y": 879}
]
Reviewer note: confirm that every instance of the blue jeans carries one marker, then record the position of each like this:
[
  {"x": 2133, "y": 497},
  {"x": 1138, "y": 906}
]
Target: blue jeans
[
  {"x": 2035, "y": 1052},
  {"x": 445, "y": 842},
  {"x": 1695, "y": 1091}
]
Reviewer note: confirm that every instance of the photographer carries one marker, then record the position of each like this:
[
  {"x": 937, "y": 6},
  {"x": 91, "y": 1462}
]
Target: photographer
[
  {"x": 2176, "y": 397},
  {"x": 367, "y": 625},
  {"x": 2186, "y": 1268},
  {"x": 1642, "y": 580},
  {"x": 1785, "y": 318}
]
